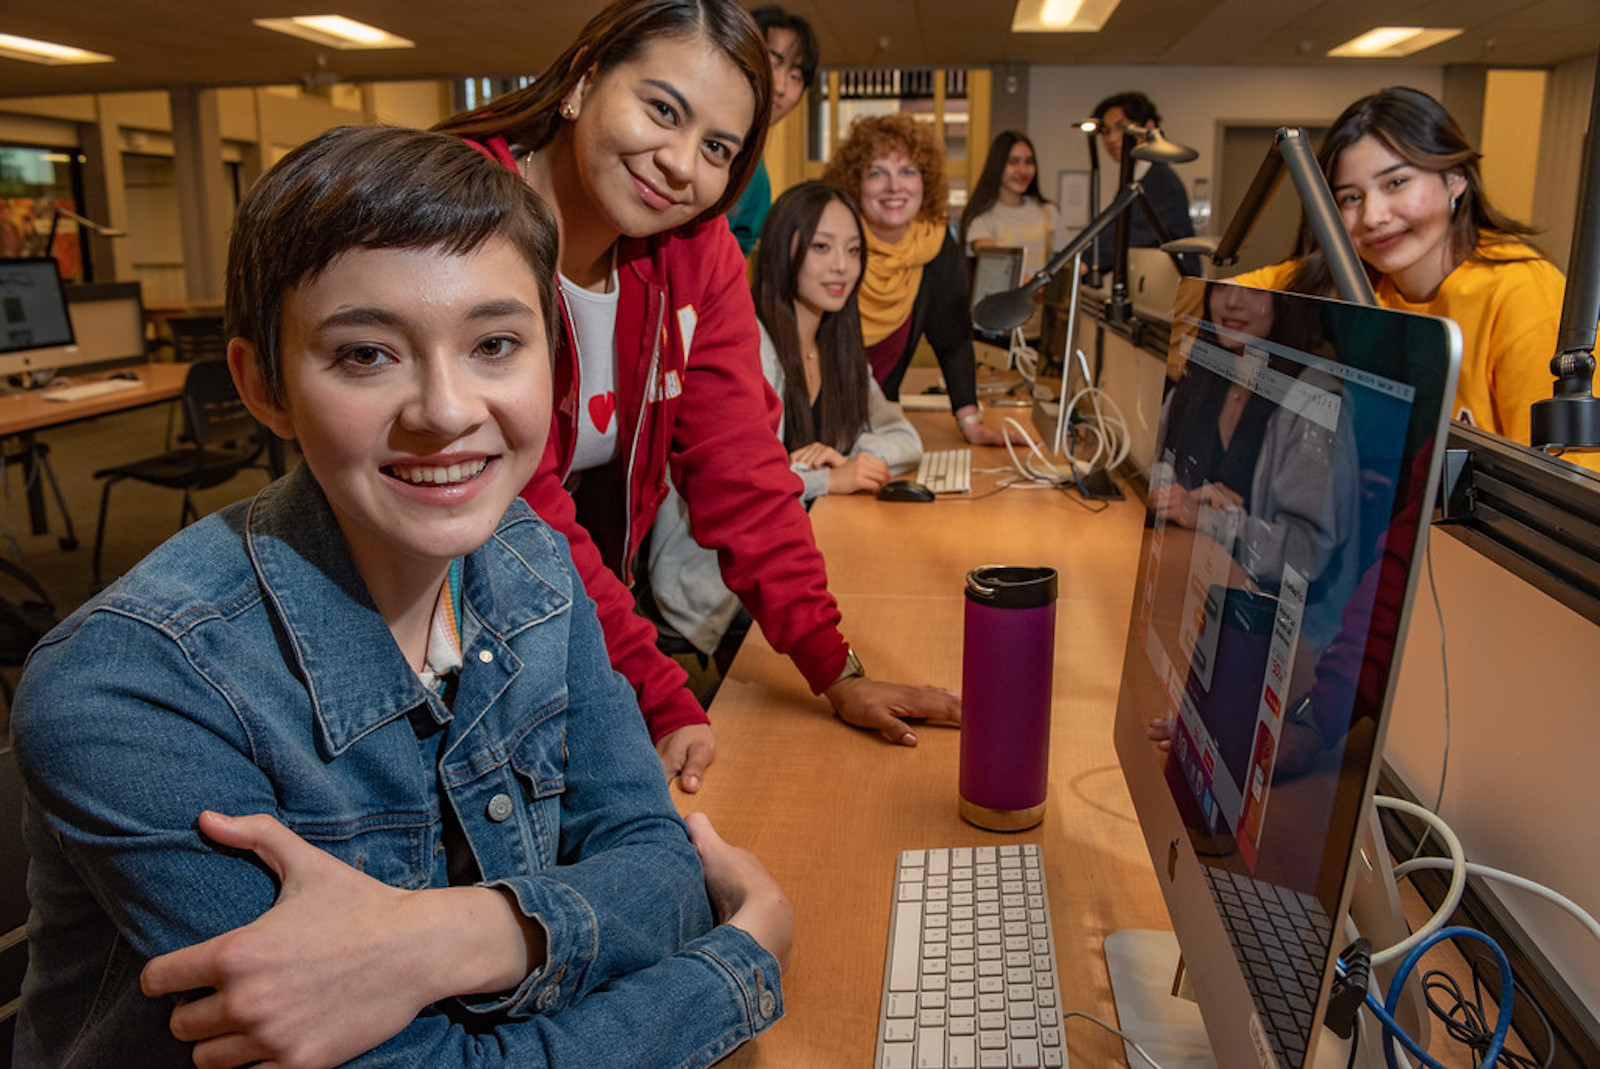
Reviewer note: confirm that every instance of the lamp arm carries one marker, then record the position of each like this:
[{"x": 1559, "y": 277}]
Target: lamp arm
[
  {"x": 1085, "y": 238},
  {"x": 1249, "y": 210},
  {"x": 1570, "y": 417},
  {"x": 1349, "y": 276}
]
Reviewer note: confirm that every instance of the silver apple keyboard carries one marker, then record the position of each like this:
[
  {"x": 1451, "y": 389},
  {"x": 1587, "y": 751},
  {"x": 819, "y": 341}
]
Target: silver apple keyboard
[
  {"x": 969, "y": 980},
  {"x": 946, "y": 471},
  {"x": 86, "y": 390}
]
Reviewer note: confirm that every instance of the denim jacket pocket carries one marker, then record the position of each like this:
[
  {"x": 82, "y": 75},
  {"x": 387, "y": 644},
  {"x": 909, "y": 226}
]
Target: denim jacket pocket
[
  {"x": 539, "y": 767},
  {"x": 394, "y": 848}
]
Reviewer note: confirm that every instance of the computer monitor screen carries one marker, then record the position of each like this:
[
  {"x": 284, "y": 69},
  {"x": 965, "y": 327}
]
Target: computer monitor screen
[
  {"x": 996, "y": 270},
  {"x": 1295, "y": 464},
  {"x": 33, "y": 306}
]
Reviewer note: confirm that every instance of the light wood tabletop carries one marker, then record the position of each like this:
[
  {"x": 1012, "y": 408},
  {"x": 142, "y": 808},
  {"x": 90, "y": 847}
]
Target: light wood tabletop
[
  {"x": 33, "y": 410},
  {"x": 828, "y": 808}
]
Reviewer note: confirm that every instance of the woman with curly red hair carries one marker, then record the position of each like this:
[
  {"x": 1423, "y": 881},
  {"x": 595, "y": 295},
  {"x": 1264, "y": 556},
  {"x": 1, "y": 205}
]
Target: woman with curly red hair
[{"x": 915, "y": 284}]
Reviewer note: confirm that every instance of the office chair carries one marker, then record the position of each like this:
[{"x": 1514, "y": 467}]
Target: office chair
[
  {"x": 223, "y": 440},
  {"x": 194, "y": 338}
]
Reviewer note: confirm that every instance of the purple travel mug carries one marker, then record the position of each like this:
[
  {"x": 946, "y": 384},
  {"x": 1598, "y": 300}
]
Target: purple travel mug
[{"x": 1007, "y": 661}]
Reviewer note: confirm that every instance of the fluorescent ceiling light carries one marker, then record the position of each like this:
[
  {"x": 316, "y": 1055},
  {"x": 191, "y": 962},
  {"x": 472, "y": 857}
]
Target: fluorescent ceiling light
[
  {"x": 335, "y": 31},
  {"x": 1391, "y": 42},
  {"x": 47, "y": 52},
  {"x": 1061, "y": 16}
]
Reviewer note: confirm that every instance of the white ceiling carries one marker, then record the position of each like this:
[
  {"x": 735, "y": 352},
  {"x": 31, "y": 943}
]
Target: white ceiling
[{"x": 161, "y": 42}]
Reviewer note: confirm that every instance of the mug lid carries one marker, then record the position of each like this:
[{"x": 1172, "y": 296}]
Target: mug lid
[{"x": 1005, "y": 586}]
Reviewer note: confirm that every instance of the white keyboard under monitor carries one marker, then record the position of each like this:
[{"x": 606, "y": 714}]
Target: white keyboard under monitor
[
  {"x": 84, "y": 391},
  {"x": 969, "y": 979},
  {"x": 946, "y": 471}
]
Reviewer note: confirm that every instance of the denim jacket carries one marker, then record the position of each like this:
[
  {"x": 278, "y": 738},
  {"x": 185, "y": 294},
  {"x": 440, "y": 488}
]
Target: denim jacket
[{"x": 241, "y": 667}]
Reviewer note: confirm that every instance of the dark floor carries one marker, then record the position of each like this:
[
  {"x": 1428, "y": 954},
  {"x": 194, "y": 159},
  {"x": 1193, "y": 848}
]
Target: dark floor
[{"x": 140, "y": 516}]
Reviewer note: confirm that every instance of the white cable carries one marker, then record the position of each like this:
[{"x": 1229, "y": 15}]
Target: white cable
[
  {"x": 1484, "y": 871},
  {"x": 1047, "y": 472},
  {"x": 1458, "y": 877},
  {"x": 1129, "y": 1040}
]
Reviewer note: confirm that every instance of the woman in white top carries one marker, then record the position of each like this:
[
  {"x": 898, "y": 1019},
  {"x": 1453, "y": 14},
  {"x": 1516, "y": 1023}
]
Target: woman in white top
[
  {"x": 1006, "y": 208},
  {"x": 842, "y": 434}
]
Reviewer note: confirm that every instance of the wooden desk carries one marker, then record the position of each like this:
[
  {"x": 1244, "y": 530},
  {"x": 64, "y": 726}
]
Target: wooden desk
[
  {"x": 828, "y": 808},
  {"x": 27, "y": 411},
  {"x": 32, "y": 410}
]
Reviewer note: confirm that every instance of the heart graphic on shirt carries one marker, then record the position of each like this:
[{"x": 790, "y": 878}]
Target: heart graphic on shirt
[{"x": 601, "y": 407}]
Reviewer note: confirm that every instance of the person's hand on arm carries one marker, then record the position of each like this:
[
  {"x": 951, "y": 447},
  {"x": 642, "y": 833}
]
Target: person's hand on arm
[
  {"x": 861, "y": 473},
  {"x": 742, "y": 893},
  {"x": 885, "y": 707},
  {"x": 335, "y": 938},
  {"x": 686, "y": 754}
]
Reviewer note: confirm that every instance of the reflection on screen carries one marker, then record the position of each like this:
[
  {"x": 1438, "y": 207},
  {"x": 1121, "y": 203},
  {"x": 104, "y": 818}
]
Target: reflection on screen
[{"x": 1283, "y": 511}]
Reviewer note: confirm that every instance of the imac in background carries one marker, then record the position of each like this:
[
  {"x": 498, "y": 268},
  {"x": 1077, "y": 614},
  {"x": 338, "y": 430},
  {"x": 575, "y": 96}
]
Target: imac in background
[
  {"x": 1294, "y": 471},
  {"x": 46, "y": 326}
]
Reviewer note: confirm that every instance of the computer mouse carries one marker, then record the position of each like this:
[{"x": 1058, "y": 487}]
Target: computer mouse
[
  {"x": 904, "y": 490},
  {"x": 127, "y": 376}
]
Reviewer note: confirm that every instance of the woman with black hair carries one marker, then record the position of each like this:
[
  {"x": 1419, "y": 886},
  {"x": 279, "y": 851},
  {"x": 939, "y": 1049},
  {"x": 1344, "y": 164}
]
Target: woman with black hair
[{"x": 842, "y": 435}]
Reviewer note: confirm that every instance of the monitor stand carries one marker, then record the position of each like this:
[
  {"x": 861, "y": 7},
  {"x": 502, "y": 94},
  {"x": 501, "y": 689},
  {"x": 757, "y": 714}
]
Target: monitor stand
[{"x": 1143, "y": 965}]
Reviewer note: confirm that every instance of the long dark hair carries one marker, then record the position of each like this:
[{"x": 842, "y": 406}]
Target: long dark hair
[
  {"x": 529, "y": 118},
  {"x": 841, "y": 355},
  {"x": 987, "y": 190},
  {"x": 1419, "y": 130}
]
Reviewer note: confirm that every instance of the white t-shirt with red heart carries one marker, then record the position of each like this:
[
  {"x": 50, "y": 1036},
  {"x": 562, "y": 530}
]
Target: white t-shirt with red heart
[{"x": 594, "y": 329}]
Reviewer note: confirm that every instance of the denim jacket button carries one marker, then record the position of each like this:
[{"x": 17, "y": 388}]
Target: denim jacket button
[
  {"x": 485, "y": 656},
  {"x": 499, "y": 807},
  {"x": 766, "y": 1002}
]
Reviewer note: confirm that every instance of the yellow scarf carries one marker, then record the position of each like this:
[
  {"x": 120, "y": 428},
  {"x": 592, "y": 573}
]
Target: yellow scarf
[{"x": 893, "y": 276}]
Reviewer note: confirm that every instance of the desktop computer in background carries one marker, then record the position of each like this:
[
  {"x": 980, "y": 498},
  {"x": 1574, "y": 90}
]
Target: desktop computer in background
[
  {"x": 1294, "y": 472},
  {"x": 33, "y": 312}
]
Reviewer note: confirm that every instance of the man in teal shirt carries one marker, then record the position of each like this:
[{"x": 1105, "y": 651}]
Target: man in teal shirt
[{"x": 792, "y": 46}]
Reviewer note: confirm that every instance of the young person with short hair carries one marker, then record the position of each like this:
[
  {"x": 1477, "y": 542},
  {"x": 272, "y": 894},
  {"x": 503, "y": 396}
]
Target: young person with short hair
[{"x": 342, "y": 772}]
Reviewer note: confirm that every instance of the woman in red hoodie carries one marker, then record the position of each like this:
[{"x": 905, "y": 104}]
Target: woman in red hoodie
[{"x": 640, "y": 135}]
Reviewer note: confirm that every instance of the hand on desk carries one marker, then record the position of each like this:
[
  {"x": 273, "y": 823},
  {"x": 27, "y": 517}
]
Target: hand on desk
[
  {"x": 974, "y": 431},
  {"x": 867, "y": 703},
  {"x": 335, "y": 936},
  {"x": 742, "y": 892},
  {"x": 686, "y": 753}
]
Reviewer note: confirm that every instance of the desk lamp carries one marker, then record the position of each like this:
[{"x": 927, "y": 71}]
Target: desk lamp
[
  {"x": 1001, "y": 312},
  {"x": 1570, "y": 418}
]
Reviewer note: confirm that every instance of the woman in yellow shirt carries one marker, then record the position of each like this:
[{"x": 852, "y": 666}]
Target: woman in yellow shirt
[{"x": 1407, "y": 186}]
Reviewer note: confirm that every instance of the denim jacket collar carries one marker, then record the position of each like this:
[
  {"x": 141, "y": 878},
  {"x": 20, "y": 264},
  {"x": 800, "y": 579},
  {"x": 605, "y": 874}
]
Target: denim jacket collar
[{"x": 297, "y": 549}]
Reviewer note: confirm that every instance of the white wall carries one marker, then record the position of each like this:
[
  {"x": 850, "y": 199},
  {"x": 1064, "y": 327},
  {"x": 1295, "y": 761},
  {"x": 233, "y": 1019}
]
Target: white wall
[{"x": 1196, "y": 103}]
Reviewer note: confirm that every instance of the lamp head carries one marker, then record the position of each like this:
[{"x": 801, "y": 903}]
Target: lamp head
[{"x": 1157, "y": 149}]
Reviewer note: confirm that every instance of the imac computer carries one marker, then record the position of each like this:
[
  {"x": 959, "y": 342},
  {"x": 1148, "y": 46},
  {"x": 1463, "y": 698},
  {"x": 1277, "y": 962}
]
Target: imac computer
[
  {"x": 48, "y": 327},
  {"x": 33, "y": 311},
  {"x": 1294, "y": 473}
]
